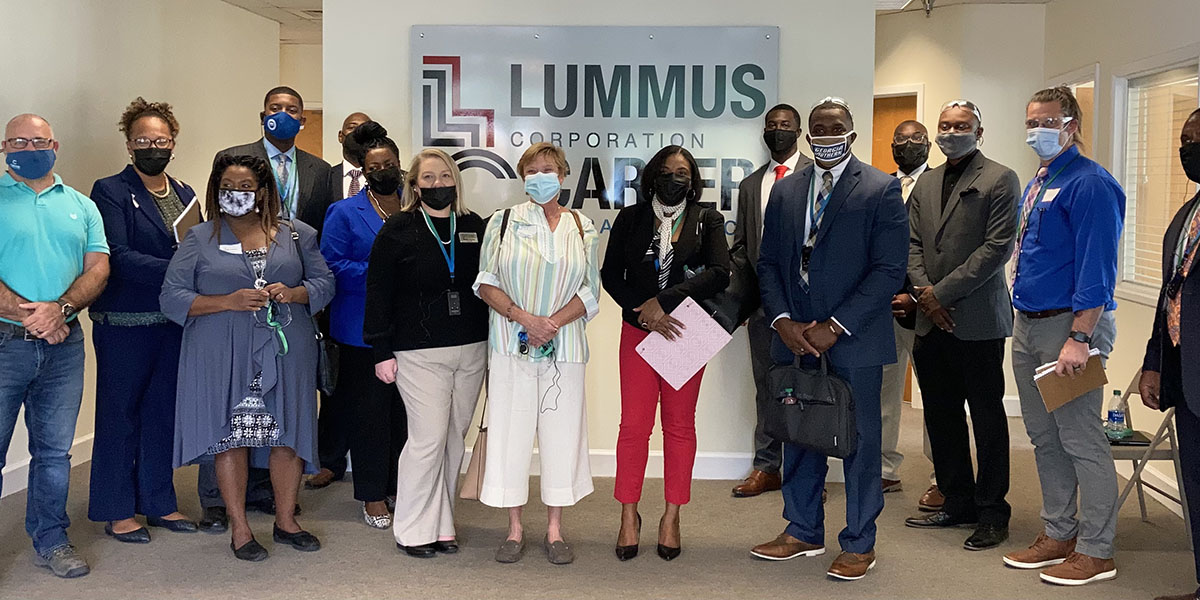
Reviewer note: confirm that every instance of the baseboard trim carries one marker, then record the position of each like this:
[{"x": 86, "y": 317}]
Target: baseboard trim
[{"x": 16, "y": 476}]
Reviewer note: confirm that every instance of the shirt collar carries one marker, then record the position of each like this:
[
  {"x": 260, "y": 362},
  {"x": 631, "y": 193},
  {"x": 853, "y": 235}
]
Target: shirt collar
[
  {"x": 272, "y": 151},
  {"x": 7, "y": 180},
  {"x": 347, "y": 167},
  {"x": 837, "y": 170},
  {"x": 790, "y": 163},
  {"x": 1063, "y": 158},
  {"x": 916, "y": 172}
]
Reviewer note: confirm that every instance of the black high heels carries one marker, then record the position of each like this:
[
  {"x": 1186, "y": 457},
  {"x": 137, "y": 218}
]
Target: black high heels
[
  {"x": 627, "y": 552},
  {"x": 668, "y": 553}
]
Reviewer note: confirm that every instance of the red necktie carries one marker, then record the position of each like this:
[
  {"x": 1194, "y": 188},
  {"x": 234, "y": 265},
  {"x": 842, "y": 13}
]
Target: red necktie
[{"x": 780, "y": 171}]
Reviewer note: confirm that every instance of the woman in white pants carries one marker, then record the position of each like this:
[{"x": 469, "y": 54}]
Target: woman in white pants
[
  {"x": 428, "y": 332},
  {"x": 540, "y": 276}
]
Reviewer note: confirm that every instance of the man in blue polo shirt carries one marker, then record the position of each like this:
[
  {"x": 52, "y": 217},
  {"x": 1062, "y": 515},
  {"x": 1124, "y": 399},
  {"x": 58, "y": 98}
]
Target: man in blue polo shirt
[
  {"x": 53, "y": 262},
  {"x": 1065, "y": 271}
]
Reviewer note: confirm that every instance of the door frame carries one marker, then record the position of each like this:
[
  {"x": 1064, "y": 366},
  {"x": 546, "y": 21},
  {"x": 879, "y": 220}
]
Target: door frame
[{"x": 908, "y": 89}]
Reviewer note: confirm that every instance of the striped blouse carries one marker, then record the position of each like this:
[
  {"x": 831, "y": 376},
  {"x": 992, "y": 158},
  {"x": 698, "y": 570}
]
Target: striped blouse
[{"x": 541, "y": 271}]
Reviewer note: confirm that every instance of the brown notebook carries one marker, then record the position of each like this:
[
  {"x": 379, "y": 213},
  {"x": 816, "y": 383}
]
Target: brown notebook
[
  {"x": 190, "y": 217},
  {"x": 1057, "y": 391}
]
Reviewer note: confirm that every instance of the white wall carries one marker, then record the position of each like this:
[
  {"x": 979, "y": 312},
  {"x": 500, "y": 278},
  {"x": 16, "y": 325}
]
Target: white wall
[
  {"x": 816, "y": 60},
  {"x": 212, "y": 61},
  {"x": 300, "y": 68}
]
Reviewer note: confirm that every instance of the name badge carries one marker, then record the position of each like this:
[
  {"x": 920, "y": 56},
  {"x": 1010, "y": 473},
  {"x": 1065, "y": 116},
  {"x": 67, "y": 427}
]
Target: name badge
[
  {"x": 230, "y": 248},
  {"x": 468, "y": 237},
  {"x": 1050, "y": 195}
]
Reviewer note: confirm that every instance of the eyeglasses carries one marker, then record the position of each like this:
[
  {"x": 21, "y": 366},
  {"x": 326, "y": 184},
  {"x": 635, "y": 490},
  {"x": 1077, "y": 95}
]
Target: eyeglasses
[
  {"x": 831, "y": 100},
  {"x": 143, "y": 143},
  {"x": 1048, "y": 123},
  {"x": 19, "y": 143},
  {"x": 967, "y": 104},
  {"x": 918, "y": 137}
]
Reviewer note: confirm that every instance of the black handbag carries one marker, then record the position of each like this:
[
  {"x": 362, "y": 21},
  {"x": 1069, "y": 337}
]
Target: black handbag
[
  {"x": 733, "y": 305},
  {"x": 326, "y": 367},
  {"x": 812, "y": 408}
]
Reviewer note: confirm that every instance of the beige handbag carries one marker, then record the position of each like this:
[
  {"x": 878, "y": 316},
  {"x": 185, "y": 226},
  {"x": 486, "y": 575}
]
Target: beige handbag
[{"x": 473, "y": 481}]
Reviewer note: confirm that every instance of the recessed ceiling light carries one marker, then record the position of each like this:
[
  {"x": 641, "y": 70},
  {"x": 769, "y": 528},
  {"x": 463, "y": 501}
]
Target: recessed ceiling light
[{"x": 891, "y": 4}]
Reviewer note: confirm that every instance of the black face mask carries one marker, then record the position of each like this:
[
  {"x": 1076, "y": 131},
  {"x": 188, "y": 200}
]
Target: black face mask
[
  {"x": 151, "y": 161},
  {"x": 672, "y": 189},
  {"x": 438, "y": 198},
  {"x": 1189, "y": 156},
  {"x": 384, "y": 181},
  {"x": 780, "y": 140},
  {"x": 910, "y": 155}
]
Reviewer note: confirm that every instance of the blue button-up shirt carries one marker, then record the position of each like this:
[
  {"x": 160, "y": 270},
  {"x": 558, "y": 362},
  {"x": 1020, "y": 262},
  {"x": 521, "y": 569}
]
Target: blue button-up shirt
[
  {"x": 1068, "y": 254},
  {"x": 287, "y": 197}
]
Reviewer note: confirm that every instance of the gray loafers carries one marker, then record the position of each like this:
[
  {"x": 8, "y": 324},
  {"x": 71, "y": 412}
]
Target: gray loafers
[
  {"x": 559, "y": 553},
  {"x": 510, "y": 551}
]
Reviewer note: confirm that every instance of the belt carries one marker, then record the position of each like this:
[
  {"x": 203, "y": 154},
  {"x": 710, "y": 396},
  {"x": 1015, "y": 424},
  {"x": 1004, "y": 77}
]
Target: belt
[
  {"x": 1046, "y": 314},
  {"x": 20, "y": 332}
]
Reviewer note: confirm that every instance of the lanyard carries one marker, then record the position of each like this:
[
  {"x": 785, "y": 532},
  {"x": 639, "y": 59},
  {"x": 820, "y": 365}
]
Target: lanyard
[
  {"x": 1038, "y": 198},
  {"x": 277, "y": 329},
  {"x": 442, "y": 245},
  {"x": 674, "y": 230}
]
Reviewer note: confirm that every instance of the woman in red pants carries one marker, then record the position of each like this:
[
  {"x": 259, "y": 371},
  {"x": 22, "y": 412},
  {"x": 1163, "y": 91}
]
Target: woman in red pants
[{"x": 661, "y": 250}]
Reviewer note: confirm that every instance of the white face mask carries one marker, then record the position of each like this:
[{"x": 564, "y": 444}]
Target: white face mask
[
  {"x": 831, "y": 152},
  {"x": 236, "y": 203}
]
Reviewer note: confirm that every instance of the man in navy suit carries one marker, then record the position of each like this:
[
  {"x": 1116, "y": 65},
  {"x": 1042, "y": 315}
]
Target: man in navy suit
[{"x": 827, "y": 292}]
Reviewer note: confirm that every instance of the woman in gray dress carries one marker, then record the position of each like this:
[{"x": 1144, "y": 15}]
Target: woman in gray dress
[{"x": 244, "y": 286}]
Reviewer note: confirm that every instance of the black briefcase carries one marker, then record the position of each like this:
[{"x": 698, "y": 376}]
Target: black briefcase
[{"x": 812, "y": 408}]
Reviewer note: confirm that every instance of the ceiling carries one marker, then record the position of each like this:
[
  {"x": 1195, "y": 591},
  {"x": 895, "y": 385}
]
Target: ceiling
[
  {"x": 889, "y": 6},
  {"x": 299, "y": 20}
]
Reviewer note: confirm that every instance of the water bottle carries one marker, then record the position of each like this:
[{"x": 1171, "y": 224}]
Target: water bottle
[{"x": 1115, "y": 426}]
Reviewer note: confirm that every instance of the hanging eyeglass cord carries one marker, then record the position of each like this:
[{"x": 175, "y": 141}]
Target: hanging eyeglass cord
[{"x": 277, "y": 328}]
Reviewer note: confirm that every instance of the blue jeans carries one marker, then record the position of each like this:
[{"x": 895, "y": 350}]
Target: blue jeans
[{"x": 48, "y": 381}]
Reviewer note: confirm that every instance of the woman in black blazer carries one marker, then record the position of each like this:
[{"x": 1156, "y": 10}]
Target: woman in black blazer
[
  {"x": 649, "y": 279},
  {"x": 137, "y": 348}
]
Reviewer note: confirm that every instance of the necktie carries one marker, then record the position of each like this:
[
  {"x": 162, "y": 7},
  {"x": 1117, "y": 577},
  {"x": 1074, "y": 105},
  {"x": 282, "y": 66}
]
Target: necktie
[
  {"x": 906, "y": 183},
  {"x": 780, "y": 171},
  {"x": 1026, "y": 207},
  {"x": 816, "y": 214},
  {"x": 281, "y": 175},
  {"x": 355, "y": 186},
  {"x": 1175, "y": 304}
]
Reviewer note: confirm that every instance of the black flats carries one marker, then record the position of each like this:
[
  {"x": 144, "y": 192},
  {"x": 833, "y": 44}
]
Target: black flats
[
  {"x": 430, "y": 550},
  {"x": 214, "y": 520},
  {"x": 627, "y": 552},
  {"x": 251, "y": 551},
  {"x": 176, "y": 525},
  {"x": 301, "y": 540},
  {"x": 446, "y": 547},
  {"x": 137, "y": 536}
]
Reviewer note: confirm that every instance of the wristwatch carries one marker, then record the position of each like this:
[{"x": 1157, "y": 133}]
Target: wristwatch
[
  {"x": 68, "y": 309},
  {"x": 1080, "y": 337}
]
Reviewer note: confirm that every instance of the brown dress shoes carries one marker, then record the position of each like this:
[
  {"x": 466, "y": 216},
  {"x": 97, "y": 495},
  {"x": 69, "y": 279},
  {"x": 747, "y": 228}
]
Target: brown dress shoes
[
  {"x": 786, "y": 547},
  {"x": 932, "y": 501},
  {"x": 1044, "y": 552},
  {"x": 1080, "y": 569},
  {"x": 849, "y": 566},
  {"x": 757, "y": 483}
]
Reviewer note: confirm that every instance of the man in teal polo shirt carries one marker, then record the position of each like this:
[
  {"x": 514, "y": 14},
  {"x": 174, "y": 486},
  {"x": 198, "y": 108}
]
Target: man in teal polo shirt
[{"x": 53, "y": 263}]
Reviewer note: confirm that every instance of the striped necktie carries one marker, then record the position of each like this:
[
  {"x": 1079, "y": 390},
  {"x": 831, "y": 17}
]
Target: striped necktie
[
  {"x": 1026, "y": 207},
  {"x": 281, "y": 175},
  {"x": 355, "y": 186},
  {"x": 817, "y": 215}
]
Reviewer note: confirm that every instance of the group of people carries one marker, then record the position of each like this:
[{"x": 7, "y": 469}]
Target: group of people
[{"x": 211, "y": 348}]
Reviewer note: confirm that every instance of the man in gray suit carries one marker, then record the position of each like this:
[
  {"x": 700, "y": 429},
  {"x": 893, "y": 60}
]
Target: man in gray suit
[
  {"x": 963, "y": 221},
  {"x": 781, "y": 134}
]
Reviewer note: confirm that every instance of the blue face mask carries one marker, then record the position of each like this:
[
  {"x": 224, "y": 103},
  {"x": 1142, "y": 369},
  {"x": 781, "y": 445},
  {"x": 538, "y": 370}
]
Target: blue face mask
[
  {"x": 281, "y": 126},
  {"x": 30, "y": 164},
  {"x": 1044, "y": 142},
  {"x": 542, "y": 187},
  {"x": 832, "y": 152}
]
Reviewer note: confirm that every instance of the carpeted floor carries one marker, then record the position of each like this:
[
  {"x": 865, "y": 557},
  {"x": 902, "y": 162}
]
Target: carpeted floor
[{"x": 718, "y": 531}]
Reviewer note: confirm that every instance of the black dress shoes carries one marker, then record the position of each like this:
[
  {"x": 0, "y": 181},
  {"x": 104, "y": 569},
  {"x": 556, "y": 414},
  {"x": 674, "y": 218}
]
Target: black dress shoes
[
  {"x": 251, "y": 551},
  {"x": 939, "y": 519},
  {"x": 301, "y": 540},
  {"x": 176, "y": 525},
  {"x": 986, "y": 536},
  {"x": 214, "y": 520},
  {"x": 446, "y": 547},
  {"x": 422, "y": 551},
  {"x": 137, "y": 536}
]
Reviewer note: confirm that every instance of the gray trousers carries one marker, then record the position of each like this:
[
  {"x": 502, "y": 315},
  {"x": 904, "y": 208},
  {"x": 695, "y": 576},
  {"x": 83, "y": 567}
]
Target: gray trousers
[
  {"x": 891, "y": 400},
  {"x": 1074, "y": 461},
  {"x": 768, "y": 453}
]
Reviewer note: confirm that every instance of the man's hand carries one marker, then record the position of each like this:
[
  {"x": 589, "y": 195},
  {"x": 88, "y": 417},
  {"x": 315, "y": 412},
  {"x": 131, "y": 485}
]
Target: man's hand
[
  {"x": 46, "y": 318},
  {"x": 1149, "y": 387},
  {"x": 792, "y": 334},
  {"x": 386, "y": 371},
  {"x": 1072, "y": 359},
  {"x": 822, "y": 336},
  {"x": 903, "y": 305},
  {"x": 57, "y": 336},
  {"x": 933, "y": 309}
]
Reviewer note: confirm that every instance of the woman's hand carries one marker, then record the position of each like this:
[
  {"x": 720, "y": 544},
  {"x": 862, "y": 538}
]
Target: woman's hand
[
  {"x": 246, "y": 300},
  {"x": 668, "y": 327},
  {"x": 386, "y": 371},
  {"x": 540, "y": 330},
  {"x": 649, "y": 313},
  {"x": 283, "y": 294}
]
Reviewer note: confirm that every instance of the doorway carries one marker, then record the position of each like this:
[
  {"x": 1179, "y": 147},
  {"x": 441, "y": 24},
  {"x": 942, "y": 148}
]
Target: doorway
[{"x": 309, "y": 138}]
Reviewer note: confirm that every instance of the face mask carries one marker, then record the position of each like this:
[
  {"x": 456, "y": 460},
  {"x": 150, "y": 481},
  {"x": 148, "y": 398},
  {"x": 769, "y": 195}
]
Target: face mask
[
  {"x": 1044, "y": 142},
  {"x": 1189, "y": 155},
  {"x": 910, "y": 155},
  {"x": 957, "y": 145},
  {"x": 831, "y": 153},
  {"x": 672, "y": 189},
  {"x": 384, "y": 181},
  {"x": 282, "y": 126},
  {"x": 151, "y": 161},
  {"x": 780, "y": 140},
  {"x": 236, "y": 203},
  {"x": 31, "y": 164},
  {"x": 438, "y": 198},
  {"x": 542, "y": 187}
]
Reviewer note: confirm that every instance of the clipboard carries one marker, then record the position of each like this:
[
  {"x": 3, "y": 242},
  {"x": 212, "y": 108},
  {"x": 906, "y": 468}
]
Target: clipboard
[
  {"x": 679, "y": 360},
  {"x": 1057, "y": 391},
  {"x": 189, "y": 218}
]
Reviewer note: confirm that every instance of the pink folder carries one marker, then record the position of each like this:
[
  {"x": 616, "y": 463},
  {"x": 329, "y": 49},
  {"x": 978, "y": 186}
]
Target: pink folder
[{"x": 677, "y": 361}]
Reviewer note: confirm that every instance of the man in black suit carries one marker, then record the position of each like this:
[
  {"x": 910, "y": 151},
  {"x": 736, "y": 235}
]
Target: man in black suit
[
  {"x": 781, "y": 133},
  {"x": 1175, "y": 339},
  {"x": 963, "y": 225},
  {"x": 346, "y": 178}
]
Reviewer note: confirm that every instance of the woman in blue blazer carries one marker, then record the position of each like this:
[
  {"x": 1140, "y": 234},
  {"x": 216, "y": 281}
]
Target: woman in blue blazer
[
  {"x": 137, "y": 348},
  {"x": 378, "y": 420}
]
